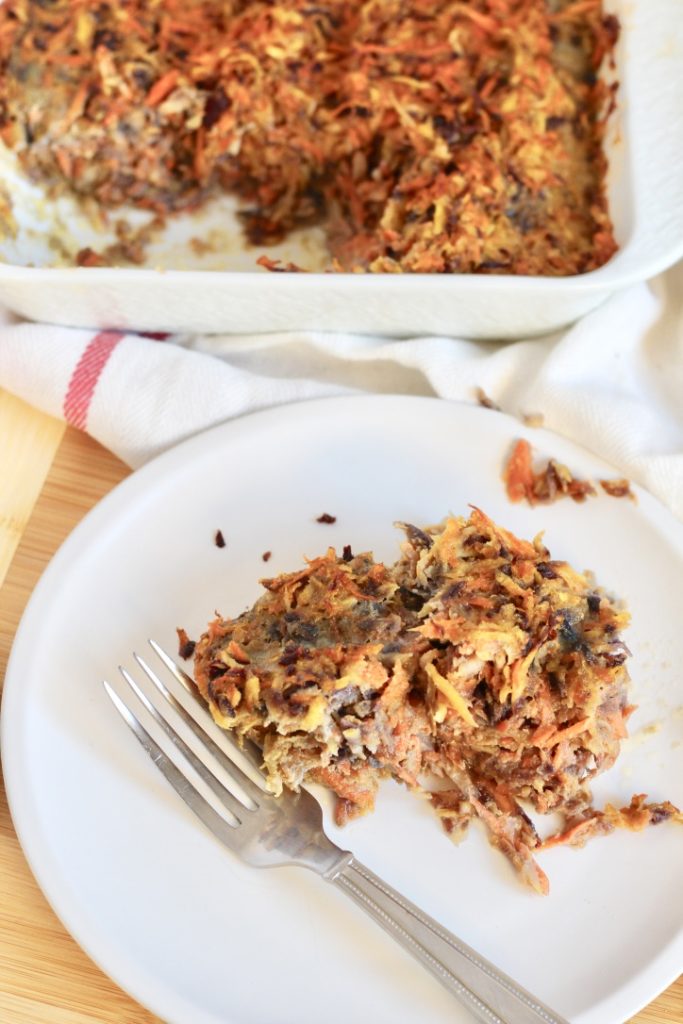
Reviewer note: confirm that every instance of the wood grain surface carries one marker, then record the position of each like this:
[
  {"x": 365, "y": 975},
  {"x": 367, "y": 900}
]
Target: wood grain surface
[{"x": 51, "y": 478}]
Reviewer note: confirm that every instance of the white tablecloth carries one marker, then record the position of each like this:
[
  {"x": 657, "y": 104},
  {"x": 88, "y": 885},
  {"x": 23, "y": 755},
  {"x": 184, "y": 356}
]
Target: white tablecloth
[{"x": 612, "y": 382}]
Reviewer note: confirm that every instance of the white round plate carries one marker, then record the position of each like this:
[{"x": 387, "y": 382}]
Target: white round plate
[{"x": 173, "y": 917}]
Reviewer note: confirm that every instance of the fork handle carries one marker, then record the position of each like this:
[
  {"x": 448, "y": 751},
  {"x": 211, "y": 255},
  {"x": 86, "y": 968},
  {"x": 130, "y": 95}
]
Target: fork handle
[{"x": 491, "y": 996}]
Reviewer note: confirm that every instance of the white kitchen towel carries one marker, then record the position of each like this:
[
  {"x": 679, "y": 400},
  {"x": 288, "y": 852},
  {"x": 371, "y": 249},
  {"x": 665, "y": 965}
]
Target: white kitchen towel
[{"x": 612, "y": 382}]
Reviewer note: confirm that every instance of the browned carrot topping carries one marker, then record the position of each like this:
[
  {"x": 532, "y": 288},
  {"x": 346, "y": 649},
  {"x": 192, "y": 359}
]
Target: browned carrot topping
[
  {"x": 89, "y": 258},
  {"x": 519, "y": 474},
  {"x": 618, "y": 488},
  {"x": 277, "y": 266},
  {"x": 161, "y": 89},
  {"x": 637, "y": 816},
  {"x": 549, "y": 483},
  {"x": 423, "y": 135},
  {"x": 185, "y": 645}
]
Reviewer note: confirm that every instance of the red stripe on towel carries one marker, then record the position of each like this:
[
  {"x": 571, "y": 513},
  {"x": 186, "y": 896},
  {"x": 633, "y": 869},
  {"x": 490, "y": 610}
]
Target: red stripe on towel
[{"x": 86, "y": 375}]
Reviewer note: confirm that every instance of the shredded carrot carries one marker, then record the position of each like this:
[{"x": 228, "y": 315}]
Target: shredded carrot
[
  {"x": 519, "y": 473},
  {"x": 277, "y": 266},
  {"x": 636, "y": 816},
  {"x": 162, "y": 88},
  {"x": 77, "y": 105},
  {"x": 575, "y": 10},
  {"x": 64, "y": 161},
  {"x": 482, "y": 20}
]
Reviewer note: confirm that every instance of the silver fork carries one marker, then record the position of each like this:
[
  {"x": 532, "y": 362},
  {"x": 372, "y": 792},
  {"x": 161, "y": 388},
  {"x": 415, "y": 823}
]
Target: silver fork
[{"x": 266, "y": 831}]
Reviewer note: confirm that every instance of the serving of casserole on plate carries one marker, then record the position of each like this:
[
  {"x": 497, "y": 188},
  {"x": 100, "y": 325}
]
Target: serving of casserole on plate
[
  {"x": 161, "y": 906},
  {"x": 455, "y": 151},
  {"x": 476, "y": 660}
]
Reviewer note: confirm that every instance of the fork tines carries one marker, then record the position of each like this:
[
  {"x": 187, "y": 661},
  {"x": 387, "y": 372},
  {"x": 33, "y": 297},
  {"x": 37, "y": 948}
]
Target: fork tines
[{"x": 163, "y": 709}]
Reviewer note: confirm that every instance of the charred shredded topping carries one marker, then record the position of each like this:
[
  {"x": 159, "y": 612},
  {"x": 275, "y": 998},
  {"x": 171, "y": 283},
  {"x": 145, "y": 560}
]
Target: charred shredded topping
[
  {"x": 444, "y": 136},
  {"x": 547, "y": 484},
  {"x": 185, "y": 645},
  {"x": 618, "y": 488},
  {"x": 551, "y": 481},
  {"x": 476, "y": 658},
  {"x": 89, "y": 258},
  {"x": 637, "y": 816},
  {"x": 278, "y": 267}
]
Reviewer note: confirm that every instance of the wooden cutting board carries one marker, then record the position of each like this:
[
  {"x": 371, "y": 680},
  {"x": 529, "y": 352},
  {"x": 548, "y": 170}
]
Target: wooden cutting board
[{"x": 50, "y": 478}]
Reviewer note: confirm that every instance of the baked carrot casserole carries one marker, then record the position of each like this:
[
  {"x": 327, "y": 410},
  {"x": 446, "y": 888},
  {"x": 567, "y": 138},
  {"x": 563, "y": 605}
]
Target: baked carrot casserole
[
  {"x": 476, "y": 662},
  {"x": 422, "y": 135}
]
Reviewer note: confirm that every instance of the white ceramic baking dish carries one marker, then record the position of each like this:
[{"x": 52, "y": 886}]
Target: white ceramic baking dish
[{"x": 173, "y": 293}]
